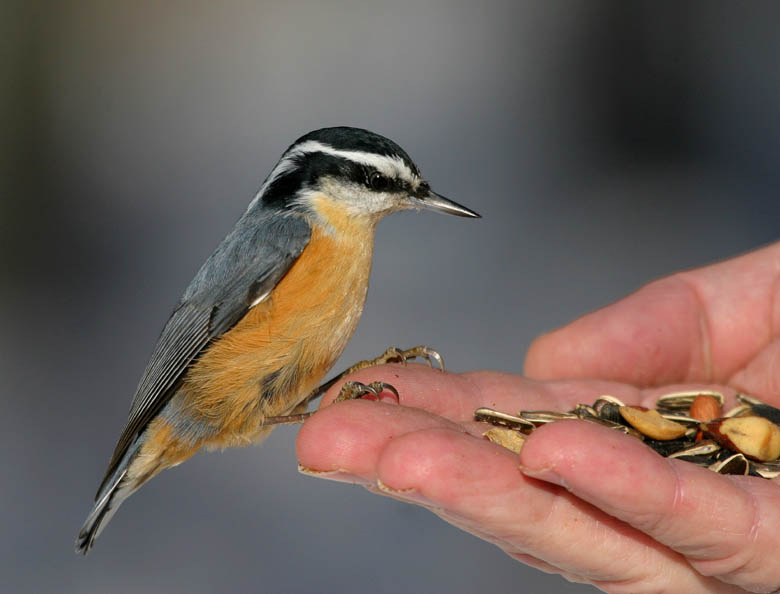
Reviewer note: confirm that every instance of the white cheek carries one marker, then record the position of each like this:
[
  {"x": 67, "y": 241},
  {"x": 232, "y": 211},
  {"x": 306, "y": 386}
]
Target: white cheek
[
  {"x": 358, "y": 200},
  {"x": 370, "y": 203}
]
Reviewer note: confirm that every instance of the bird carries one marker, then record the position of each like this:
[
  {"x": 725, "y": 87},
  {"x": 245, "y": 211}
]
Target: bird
[{"x": 269, "y": 312}]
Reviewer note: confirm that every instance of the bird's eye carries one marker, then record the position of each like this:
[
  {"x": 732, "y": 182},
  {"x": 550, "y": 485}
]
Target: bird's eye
[{"x": 378, "y": 182}]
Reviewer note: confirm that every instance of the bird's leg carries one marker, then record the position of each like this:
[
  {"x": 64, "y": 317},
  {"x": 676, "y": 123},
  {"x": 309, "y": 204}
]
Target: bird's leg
[
  {"x": 354, "y": 390},
  {"x": 349, "y": 391}
]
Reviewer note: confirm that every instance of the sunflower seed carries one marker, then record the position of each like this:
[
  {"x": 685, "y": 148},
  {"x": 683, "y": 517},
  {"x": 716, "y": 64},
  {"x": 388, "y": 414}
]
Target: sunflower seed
[
  {"x": 768, "y": 412},
  {"x": 747, "y": 399},
  {"x": 616, "y": 426},
  {"x": 611, "y": 412},
  {"x": 683, "y": 400},
  {"x": 494, "y": 417},
  {"x": 703, "y": 448},
  {"x": 680, "y": 418},
  {"x": 735, "y": 464},
  {"x": 540, "y": 417},
  {"x": 667, "y": 447},
  {"x": 584, "y": 411},
  {"x": 738, "y": 411},
  {"x": 766, "y": 470},
  {"x": 607, "y": 399}
]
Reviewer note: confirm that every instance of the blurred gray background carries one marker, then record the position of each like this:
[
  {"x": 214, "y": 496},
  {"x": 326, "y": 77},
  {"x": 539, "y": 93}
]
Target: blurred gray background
[{"x": 605, "y": 144}]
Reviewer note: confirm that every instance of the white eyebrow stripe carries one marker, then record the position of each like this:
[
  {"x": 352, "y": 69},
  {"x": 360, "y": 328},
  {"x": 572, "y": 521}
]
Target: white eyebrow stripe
[{"x": 391, "y": 166}]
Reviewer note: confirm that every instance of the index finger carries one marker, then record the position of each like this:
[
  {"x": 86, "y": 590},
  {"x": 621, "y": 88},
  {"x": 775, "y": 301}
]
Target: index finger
[{"x": 703, "y": 325}]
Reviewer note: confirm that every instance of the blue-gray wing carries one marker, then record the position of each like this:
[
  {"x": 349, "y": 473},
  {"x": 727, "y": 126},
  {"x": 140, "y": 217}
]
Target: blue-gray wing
[{"x": 248, "y": 263}]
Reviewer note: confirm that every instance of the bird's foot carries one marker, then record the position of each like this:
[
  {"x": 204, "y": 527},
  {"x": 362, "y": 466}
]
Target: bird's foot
[
  {"x": 396, "y": 355},
  {"x": 356, "y": 390}
]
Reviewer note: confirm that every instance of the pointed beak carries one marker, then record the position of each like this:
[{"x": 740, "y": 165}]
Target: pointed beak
[{"x": 438, "y": 203}]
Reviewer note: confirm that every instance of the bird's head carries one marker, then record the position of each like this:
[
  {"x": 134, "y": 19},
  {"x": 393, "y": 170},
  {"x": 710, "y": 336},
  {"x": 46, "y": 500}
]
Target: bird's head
[{"x": 358, "y": 173}]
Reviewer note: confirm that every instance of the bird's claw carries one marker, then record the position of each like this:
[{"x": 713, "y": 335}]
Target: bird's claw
[{"x": 356, "y": 390}]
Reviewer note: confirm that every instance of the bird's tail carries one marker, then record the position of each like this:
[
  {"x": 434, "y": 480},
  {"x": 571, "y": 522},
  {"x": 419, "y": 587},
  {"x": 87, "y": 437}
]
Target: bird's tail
[{"x": 111, "y": 495}]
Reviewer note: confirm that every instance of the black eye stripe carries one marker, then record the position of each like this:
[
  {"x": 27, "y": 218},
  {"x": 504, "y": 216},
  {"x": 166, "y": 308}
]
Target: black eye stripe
[
  {"x": 378, "y": 181},
  {"x": 308, "y": 169}
]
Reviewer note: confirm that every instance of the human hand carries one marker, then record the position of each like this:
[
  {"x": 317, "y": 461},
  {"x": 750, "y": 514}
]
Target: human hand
[{"x": 579, "y": 500}]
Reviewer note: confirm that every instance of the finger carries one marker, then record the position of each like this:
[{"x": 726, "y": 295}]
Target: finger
[
  {"x": 456, "y": 396},
  {"x": 728, "y": 527},
  {"x": 762, "y": 375},
  {"x": 478, "y": 487},
  {"x": 344, "y": 442},
  {"x": 698, "y": 326}
]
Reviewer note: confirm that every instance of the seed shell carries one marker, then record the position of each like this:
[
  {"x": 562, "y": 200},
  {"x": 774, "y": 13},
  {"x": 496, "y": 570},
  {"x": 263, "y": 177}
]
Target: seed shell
[
  {"x": 667, "y": 447},
  {"x": 705, "y": 461},
  {"x": 748, "y": 399},
  {"x": 623, "y": 428},
  {"x": 611, "y": 412},
  {"x": 541, "y": 417},
  {"x": 740, "y": 410},
  {"x": 766, "y": 411},
  {"x": 584, "y": 411},
  {"x": 735, "y": 464},
  {"x": 703, "y": 448},
  {"x": 494, "y": 417},
  {"x": 683, "y": 400},
  {"x": 767, "y": 471},
  {"x": 680, "y": 418},
  {"x": 607, "y": 399}
]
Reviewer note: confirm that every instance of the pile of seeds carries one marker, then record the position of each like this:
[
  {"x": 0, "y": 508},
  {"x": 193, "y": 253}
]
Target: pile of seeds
[{"x": 690, "y": 426}]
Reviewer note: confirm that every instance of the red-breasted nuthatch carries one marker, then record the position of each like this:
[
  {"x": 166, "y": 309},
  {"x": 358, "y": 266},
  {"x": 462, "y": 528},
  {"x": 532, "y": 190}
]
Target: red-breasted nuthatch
[{"x": 269, "y": 312}]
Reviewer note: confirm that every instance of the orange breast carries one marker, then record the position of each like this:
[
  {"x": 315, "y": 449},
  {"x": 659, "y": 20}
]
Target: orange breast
[
  {"x": 281, "y": 350},
  {"x": 276, "y": 355}
]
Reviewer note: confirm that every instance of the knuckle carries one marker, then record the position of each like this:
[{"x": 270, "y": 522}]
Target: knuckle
[{"x": 751, "y": 564}]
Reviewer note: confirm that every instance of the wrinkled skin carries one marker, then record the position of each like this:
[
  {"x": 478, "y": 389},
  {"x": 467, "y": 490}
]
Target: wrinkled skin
[{"x": 649, "y": 524}]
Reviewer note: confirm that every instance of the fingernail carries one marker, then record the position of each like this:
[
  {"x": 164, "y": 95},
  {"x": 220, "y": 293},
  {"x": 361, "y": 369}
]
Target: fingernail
[
  {"x": 544, "y": 474},
  {"x": 332, "y": 475},
  {"x": 411, "y": 495}
]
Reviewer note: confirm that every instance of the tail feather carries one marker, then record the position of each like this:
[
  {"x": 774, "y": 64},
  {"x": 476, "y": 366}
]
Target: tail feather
[
  {"x": 104, "y": 509},
  {"x": 111, "y": 495}
]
